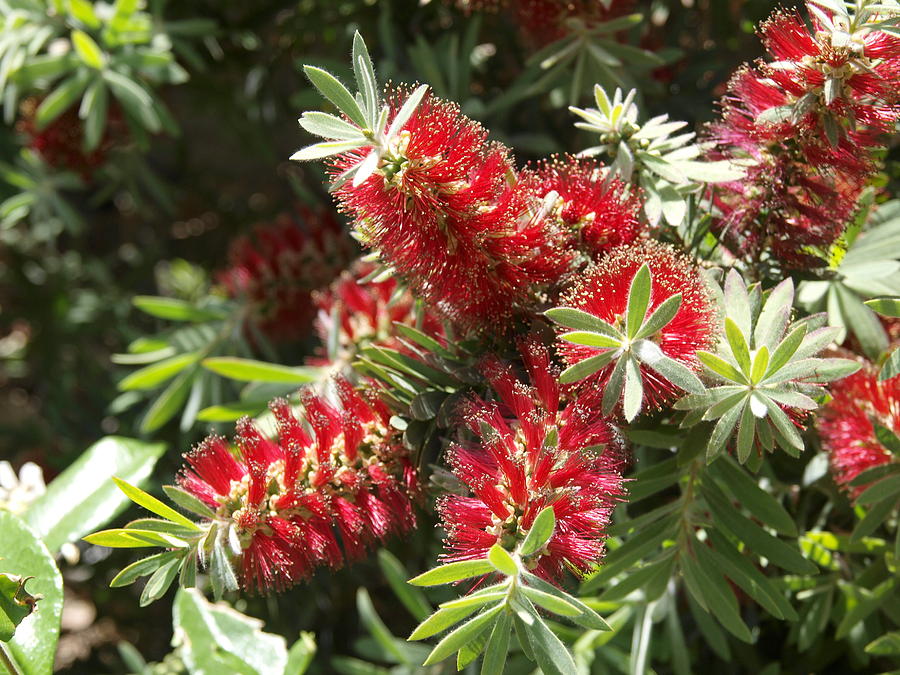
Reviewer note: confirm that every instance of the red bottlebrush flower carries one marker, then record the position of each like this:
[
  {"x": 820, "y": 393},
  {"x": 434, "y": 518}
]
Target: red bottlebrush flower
[
  {"x": 61, "y": 143},
  {"x": 846, "y": 424},
  {"x": 599, "y": 216},
  {"x": 284, "y": 503},
  {"x": 445, "y": 210},
  {"x": 276, "y": 270},
  {"x": 364, "y": 312},
  {"x": 603, "y": 292},
  {"x": 532, "y": 454}
]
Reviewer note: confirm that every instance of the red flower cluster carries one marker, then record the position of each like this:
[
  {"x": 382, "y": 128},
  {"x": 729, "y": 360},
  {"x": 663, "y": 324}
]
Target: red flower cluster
[
  {"x": 286, "y": 501},
  {"x": 447, "y": 210},
  {"x": 364, "y": 312},
  {"x": 806, "y": 125},
  {"x": 603, "y": 292},
  {"x": 597, "y": 216},
  {"x": 276, "y": 270},
  {"x": 61, "y": 143},
  {"x": 533, "y": 453},
  {"x": 846, "y": 423}
]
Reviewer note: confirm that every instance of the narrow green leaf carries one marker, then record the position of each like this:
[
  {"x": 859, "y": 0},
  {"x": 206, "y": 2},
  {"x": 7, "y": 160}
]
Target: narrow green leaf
[
  {"x": 638, "y": 301},
  {"x": 719, "y": 597},
  {"x": 159, "y": 581},
  {"x": 723, "y": 430},
  {"x": 885, "y": 645},
  {"x": 746, "y": 434},
  {"x": 168, "y": 402},
  {"x": 591, "y": 339},
  {"x": 142, "y": 568},
  {"x": 738, "y": 344},
  {"x": 721, "y": 367},
  {"x": 152, "y": 504},
  {"x": 634, "y": 391},
  {"x": 129, "y": 538},
  {"x": 888, "y": 488},
  {"x": 88, "y": 50},
  {"x": 550, "y": 653},
  {"x": 249, "y": 370},
  {"x": 332, "y": 89},
  {"x": 760, "y": 364},
  {"x": 775, "y": 314},
  {"x": 396, "y": 574},
  {"x": 587, "y": 618},
  {"x": 550, "y": 602},
  {"x": 377, "y": 629},
  {"x": 441, "y": 620},
  {"x": 786, "y": 349},
  {"x": 59, "y": 100},
  {"x": 889, "y": 307},
  {"x": 738, "y": 483},
  {"x": 678, "y": 374},
  {"x": 155, "y": 374},
  {"x": 783, "y": 424},
  {"x": 891, "y": 367},
  {"x": 577, "y": 319},
  {"x": 456, "y": 571},
  {"x": 502, "y": 561},
  {"x": 460, "y": 636},
  {"x": 660, "y": 317},
  {"x": 188, "y": 501},
  {"x": 497, "y": 646},
  {"x": 174, "y": 309},
  {"x": 541, "y": 530},
  {"x": 614, "y": 386},
  {"x": 887, "y": 438},
  {"x": 587, "y": 367}
]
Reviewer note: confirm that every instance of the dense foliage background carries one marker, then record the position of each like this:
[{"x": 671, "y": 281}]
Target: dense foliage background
[{"x": 198, "y": 125}]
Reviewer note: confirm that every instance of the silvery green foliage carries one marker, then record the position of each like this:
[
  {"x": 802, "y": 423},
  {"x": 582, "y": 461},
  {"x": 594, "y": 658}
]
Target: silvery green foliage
[
  {"x": 764, "y": 364},
  {"x": 647, "y": 154},
  {"x": 366, "y": 117},
  {"x": 630, "y": 347}
]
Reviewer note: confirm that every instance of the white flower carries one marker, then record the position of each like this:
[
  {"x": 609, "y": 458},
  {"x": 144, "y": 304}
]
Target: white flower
[{"x": 18, "y": 492}]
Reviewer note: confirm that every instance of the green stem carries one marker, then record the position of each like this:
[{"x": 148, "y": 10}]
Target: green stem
[{"x": 7, "y": 660}]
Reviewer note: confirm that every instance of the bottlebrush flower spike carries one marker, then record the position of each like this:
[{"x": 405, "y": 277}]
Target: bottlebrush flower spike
[
  {"x": 281, "y": 505},
  {"x": 637, "y": 319},
  {"x": 444, "y": 208},
  {"x": 534, "y": 452},
  {"x": 275, "y": 270},
  {"x": 596, "y": 214},
  {"x": 768, "y": 376},
  {"x": 357, "y": 310},
  {"x": 854, "y": 424}
]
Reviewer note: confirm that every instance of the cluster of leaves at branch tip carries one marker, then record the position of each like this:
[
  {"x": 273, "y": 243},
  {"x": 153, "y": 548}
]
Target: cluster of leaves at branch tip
[
  {"x": 629, "y": 347},
  {"x": 499, "y": 608},
  {"x": 765, "y": 364},
  {"x": 665, "y": 166},
  {"x": 365, "y": 122}
]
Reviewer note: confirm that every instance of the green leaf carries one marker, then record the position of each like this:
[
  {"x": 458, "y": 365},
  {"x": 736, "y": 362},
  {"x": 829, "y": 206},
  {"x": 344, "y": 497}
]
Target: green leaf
[
  {"x": 634, "y": 391},
  {"x": 87, "y": 50},
  {"x": 540, "y": 532},
  {"x": 222, "y": 640},
  {"x": 142, "y": 568},
  {"x": 721, "y": 367},
  {"x": 93, "y": 110},
  {"x": 331, "y": 127},
  {"x": 502, "y": 561},
  {"x": 746, "y": 434},
  {"x": 786, "y": 349},
  {"x": 760, "y": 542},
  {"x": 864, "y": 604},
  {"x": 638, "y": 301},
  {"x": 587, "y": 367},
  {"x": 588, "y": 618},
  {"x": 136, "y": 100},
  {"x": 577, "y": 319},
  {"x": 889, "y": 307},
  {"x": 33, "y": 647},
  {"x": 891, "y": 367},
  {"x": 660, "y": 317},
  {"x": 614, "y": 386},
  {"x": 723, "y": 430},
  {"x": 888, "y": 488},
  {"x": 154, "y": 375},
  {"x": 301, "y": 654},
  {"x": 550, "y": 653},
  {"x": 152, "y": 504},
  {"x": 497, "y": 646},
  {"x": 441, "y": 620},
  {"x": 783, "y": 424},
  {"x": 739, "y": 484},
  {"x": 396, "y": 574},
  {"x": 59, "y": 100},
  {"x": 83, "y": 498},
  {"x": 887, "y": 438},
  {"x": 774, "y": 317},
  {"x": 406, "y": 110},
  {"x": 168, "y": 402},
  {"x": 716, "y": 593},
  {"x": 248, "y": 370},
  {"x": 465, "y": 633},
  {"x": 332, "y": 89},
  {"x": 738, "y": 345},
  {"x": 373, "y": 623},
  {"x": 677, "y": 373},
  {"x": 134, "y": 538},
  {"x": 456, "y": 571},
  {"x": 885, "y": 645},
  {"x": 16, "y": 603},
  {"x": 159, "y": 581},
  {"x": 760, "y": 364},
  {"x": 174, "y": 310},
  {"x": 551, "y": 602},
  {"x": 874, "y": 517},
  {"x": 591, "y": 339},
  {"x": 862, "y": 321},
  {"x": 188, "y": 502}
]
